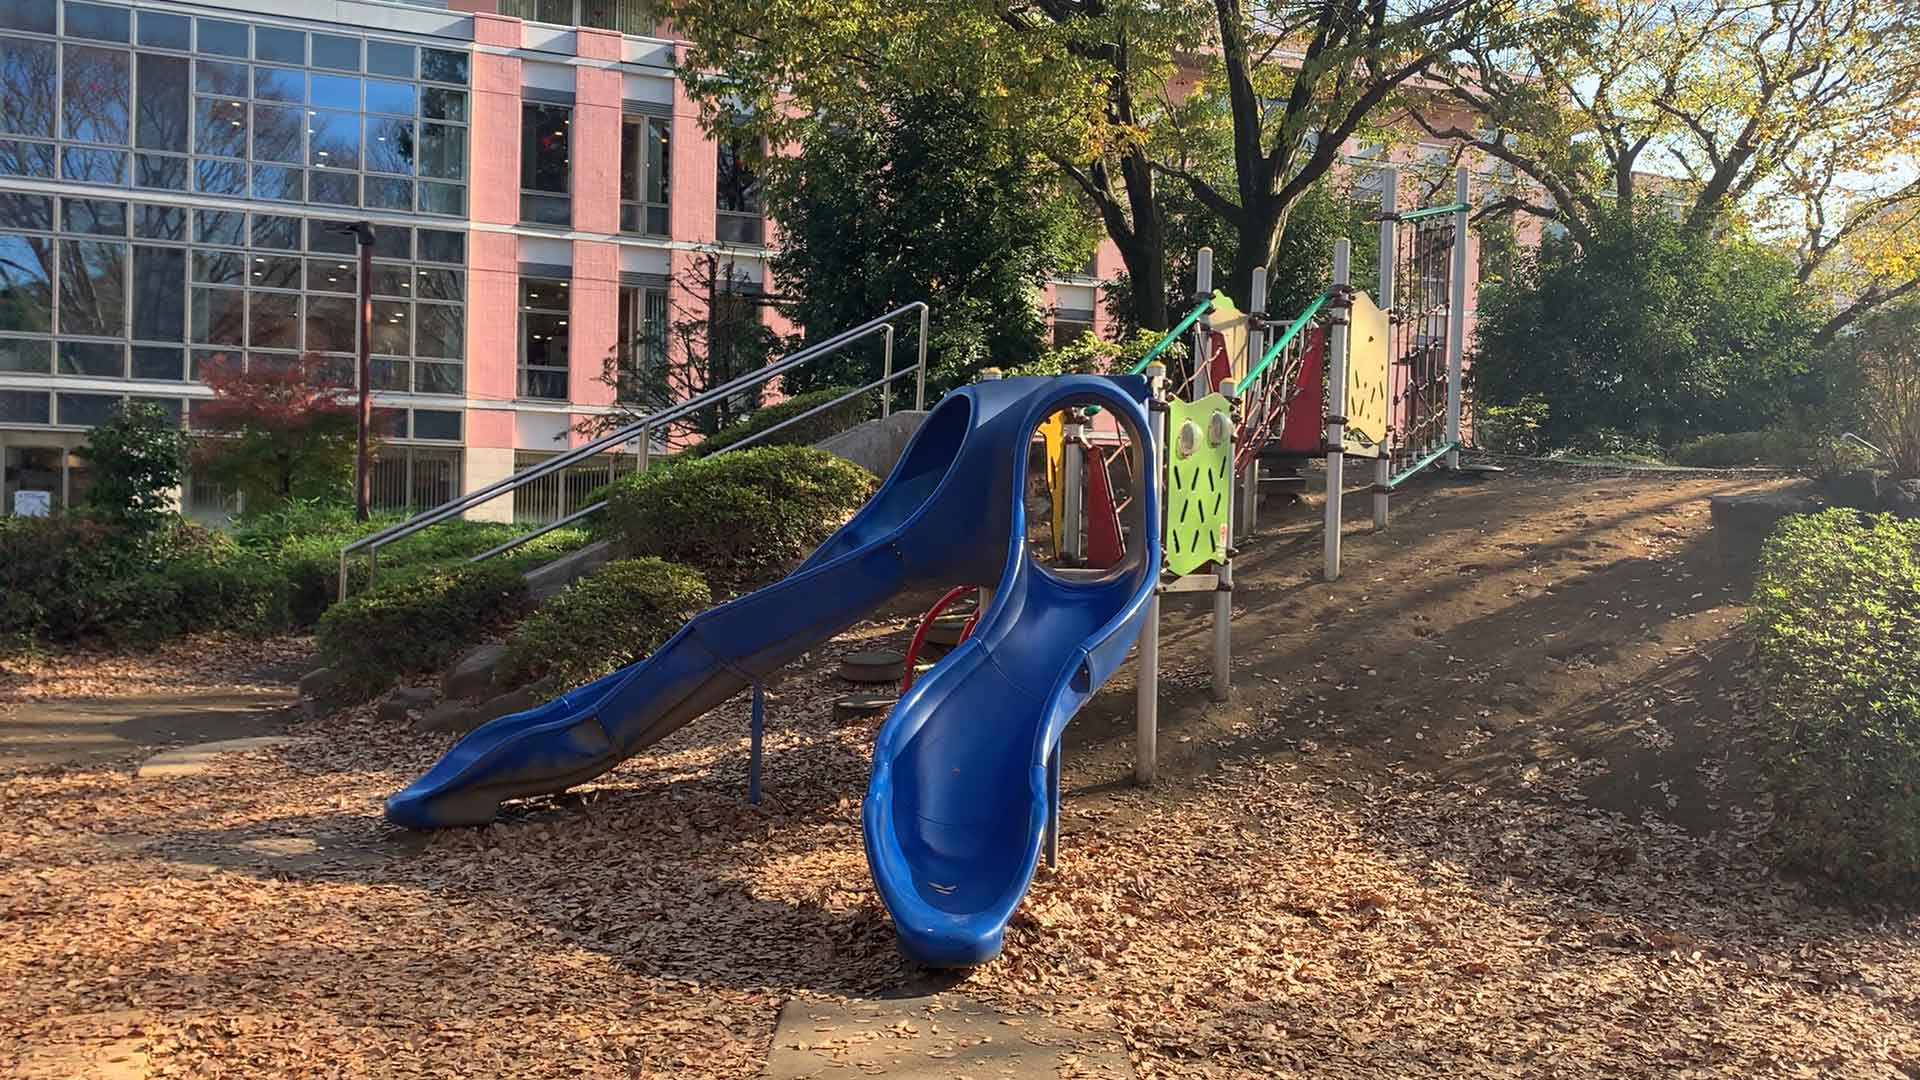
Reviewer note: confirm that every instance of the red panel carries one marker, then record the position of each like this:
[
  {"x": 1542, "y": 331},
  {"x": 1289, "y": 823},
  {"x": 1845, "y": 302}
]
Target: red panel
[
  {"x": 1306, "y": 419},
  {"x": 1104, "y": 545}
]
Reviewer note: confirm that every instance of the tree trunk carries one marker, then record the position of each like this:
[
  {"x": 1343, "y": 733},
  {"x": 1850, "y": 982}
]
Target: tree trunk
[{"x": 1260, "y": 229}]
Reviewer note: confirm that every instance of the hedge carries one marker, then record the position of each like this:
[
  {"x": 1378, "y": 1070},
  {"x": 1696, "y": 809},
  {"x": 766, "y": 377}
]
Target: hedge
[
  {"x": 1836, "y": 618},
  {"x": 805, "y": 433},
  {"x": 417, "y": 625},
  {"x": 603, "y": 623},
  {"x": 741, "y": 516},
  {"x": 1779, "y": 447}
]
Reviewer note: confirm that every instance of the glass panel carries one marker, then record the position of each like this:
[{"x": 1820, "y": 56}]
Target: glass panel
[
  {"x": 276, "y": 231},
  {"x": 439, "y": 331},
  {"x": 390, "y": 375},
  {"x": 26, "y": 283},
  {"x": 27, "y": 85},
  {"x": 547, "y": 384},
  {"x": 543, "y": 294},
  {"x": 26, "y": 212},
  {"x": 334, "y": 188},
  {"x": 546, "y": 336},
  {"x": 150, "y": 362},
  {"x": 390, "y": 280},
  {"x": 220, "y": 177},
  {"x": 277, "y": 134},
  {"x": 220, "y": 127},
  {"x": 273, "y": 320},
  {"x": 656, "y": 220},
  {"x": 440, "y": 65},
  {"x": 33, "y": 16},
  {"x": 218, "y": 316},
  {"x": 26, "y": 356},
  {"x": 334, "y": 92},
  {"x": 87, "y": 410},
  {"x": 390, "y": 58},
  {"x": 333, "y": 139},
  {"x": 439, "y": 245},
  {"x": 220, "y": 78},
  {"x": 393, "y": 242},
  {"x": 159, "y": 293},
  {"x": 738, "y": 189},
  {"x": 737, "y": 229},
  {"x": 164, "y": 31},
  {"x": 438, "y": 284},
  {"x": 546, "y": 210},
  {"x": 342, "y": 53},
  {"x": 219, "y": 227},
  {"x": 279, "y": 84},
  {"x": 159, "y": 222},
  {"x": 94, "y": 89},
  {"x": 443, "y": 199},
  {"x": 168, "y": 405},
  {"x": 435, "y": 424},
  {"x": 388, "y": 194},
  {"x": 334, "y": 237},
  {"x": 162, "y": 120},
  {"x": 392, "y": 328},
  {"x": 223, "y": 38},
  {"x": 544, "y": 164},
  {"x": 93, "y": 166},
  {"x": 23, "y": 407},
  {"x": 274, "y": 272},
  {"x": 93, "y": 359},
  {"x": 219, "y": 268},
  {"x": 331, "y": 321},
  {"x": 274, "y": 182},
  {"x": 160, "y": 173},
  {"x": 32, "y": 159},
  {"x": 333, "y": 275},
  {"x": 279, "y": 45},
  {"x": 443, "y": 151},
  {"x": 390, "y": 145},
  {"x": 93, "y": 288},
  {"x": 99, "y": 23},
  {"x": 438, "y": 103},
  {"x": 391, "y": 97},
  {"x": 99, "y": 217}
]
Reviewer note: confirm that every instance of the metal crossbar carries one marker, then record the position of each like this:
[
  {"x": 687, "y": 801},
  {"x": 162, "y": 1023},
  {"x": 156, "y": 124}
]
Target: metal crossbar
[{"x": 641, "y": 430}]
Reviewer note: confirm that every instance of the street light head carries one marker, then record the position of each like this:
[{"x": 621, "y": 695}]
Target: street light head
[{"x": 361, "y": 231}]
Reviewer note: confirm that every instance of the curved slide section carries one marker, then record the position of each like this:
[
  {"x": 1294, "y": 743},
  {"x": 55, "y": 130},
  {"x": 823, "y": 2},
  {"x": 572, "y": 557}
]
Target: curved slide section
[
  {"x": 944, "y": 516},
  {"x": 959, "y": 800}
]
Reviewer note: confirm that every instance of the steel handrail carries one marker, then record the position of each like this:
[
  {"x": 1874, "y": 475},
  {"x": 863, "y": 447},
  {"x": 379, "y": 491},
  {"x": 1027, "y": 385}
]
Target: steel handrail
[
  {"x": 373, "y": 542},
  {"x": 1292, "y": 331},
  {"x": 1848, "y": 436}
]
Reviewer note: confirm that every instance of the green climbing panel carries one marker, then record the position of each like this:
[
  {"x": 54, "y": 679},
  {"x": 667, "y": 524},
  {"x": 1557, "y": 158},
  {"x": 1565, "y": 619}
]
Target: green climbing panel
[{"x": 1199, "y": 481}]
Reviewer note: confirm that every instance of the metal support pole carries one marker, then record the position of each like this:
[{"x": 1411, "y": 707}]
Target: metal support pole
[
  {"x": 1073, "y": 496},
  {"x": 1337, "y": 409},
  {"x": 1146, "y": 691},
  {"x": 1203, "y": 288},
  {"x": 920, "y": 378},
  {"x": 1397, "y": 332},
  {"x": 1457, "y": 315},
  {"x": 644, "y": 456},
  {"x": 886, "y": 372},
  {"x": 1053, "y": 803},
  {"x": 1223, "y": 601},
  {"x": 757, "y": 729},
  {"x": 1256, "y": 348}
]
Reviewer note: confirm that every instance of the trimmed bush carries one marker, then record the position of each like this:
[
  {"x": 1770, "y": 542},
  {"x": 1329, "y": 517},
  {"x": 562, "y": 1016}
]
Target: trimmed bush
[
  {"x": 805, "y": 433},
  {"x": 1780, "y": 447},
  {"x": 603, "y": 623},
  {"x": 417, "y": 625},
  {"x": 739, "y": 516},
  {"x": 1836, "y": 617}
]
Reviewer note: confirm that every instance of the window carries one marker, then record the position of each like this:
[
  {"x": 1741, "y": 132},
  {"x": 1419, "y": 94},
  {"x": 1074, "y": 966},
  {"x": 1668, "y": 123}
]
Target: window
[
  {"x": 642, "y": 339},
  {"x": 1070, "y": 325},
  {"x": 643, "y": 175},
  {"x": 737, "y": 198},
  {"x": 543, "y": 339},
  {"x": 546, "y": 170},
  {"x": 626, "y": 16}
]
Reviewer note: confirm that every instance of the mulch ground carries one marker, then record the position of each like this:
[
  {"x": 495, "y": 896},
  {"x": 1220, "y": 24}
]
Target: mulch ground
[{"x": 1481, "y": 808}]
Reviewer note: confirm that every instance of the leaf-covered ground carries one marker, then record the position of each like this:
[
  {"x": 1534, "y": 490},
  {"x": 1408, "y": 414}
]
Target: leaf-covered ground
[{"x": 1429, "y": 837}]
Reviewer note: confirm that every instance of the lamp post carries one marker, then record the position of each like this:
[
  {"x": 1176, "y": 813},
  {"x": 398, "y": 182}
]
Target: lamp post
[{"x": 362, "y": 232}]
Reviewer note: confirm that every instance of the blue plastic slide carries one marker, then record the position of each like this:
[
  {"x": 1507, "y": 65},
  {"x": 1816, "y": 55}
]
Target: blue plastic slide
[{"x": 958, "y": 802}]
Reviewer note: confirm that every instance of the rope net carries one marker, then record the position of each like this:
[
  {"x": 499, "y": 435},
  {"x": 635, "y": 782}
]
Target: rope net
[{"x": 1422, "y": 286}]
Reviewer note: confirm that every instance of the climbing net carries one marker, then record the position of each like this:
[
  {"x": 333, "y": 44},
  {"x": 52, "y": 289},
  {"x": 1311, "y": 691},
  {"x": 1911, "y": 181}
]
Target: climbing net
[{"x": 1422, "y": 285}]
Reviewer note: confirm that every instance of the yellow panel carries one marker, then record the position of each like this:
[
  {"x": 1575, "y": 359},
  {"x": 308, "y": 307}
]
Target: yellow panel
[
  {"x": 1366, "y": 379},
  {"x": 1054, "y": 432},
  {"x": 1227, "y": 336}
]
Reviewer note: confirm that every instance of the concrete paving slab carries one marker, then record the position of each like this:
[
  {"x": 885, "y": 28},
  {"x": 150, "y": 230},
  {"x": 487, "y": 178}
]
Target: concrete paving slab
[{"x": 943, "y": 1036}]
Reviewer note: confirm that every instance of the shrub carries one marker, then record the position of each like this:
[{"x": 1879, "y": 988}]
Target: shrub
[
  {"x": 805, "y": 433},
  {"x": 604, "y": 623},
  {"x": 754, "y": 510},
  {"x": 1885, "y": 354},
  {"x": 1511, "y": 429},
  {"x": 419, "y": 624},
  {"x": 1780, "y": 447},
  {"x": 137, "y": 458},
  {"x": 1836, "y": 617},
  {"x": 282, "y": 431}
]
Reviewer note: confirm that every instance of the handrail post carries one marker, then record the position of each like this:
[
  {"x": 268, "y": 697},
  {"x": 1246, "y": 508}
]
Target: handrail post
[
  {"x": 920, "y": 383},
  {"x": 644, "y": 456},
  {"x": 1396, "y": 339},
  {"x": 1457, "y": 316},
  {"x": 886, "y": 372}
]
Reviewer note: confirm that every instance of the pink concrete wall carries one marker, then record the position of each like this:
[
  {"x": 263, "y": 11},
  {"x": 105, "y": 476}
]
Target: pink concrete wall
[
  {"x": 493, "y": 321},
  {"x": 495, "y": 134},
  {"x": 690, "y": 210},
  {"x": 490, "y": 428},
  {"x": 592, "y": 320}
]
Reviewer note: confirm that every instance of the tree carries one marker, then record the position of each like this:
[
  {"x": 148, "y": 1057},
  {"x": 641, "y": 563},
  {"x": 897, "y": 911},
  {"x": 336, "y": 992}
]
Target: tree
[
  {"x": 918, "y": 199},
  {"x": 706, "y": 332},
  {"x": 277, "y": 431},
  {"x": 137, "y": 459},
  {"x": 1789, "y": 118},
  {"x": 1884, "y": 356},
  {"x": 1652, "y": 331}
]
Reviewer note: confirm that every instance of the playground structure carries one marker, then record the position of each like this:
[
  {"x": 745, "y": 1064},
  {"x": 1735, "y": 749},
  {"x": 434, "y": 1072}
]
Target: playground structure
[{"x": 964, "y": 797}]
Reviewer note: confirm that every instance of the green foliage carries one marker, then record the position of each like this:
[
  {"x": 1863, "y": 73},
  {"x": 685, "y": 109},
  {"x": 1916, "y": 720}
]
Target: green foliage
[
  {"x": 805, "y": 433},
  {"x": 1651, "y": 331},
  {"x": 1511, "y": 429},
  {"x": 419, "y": 624},
  {"x": 916, "y": 198},
  {"x": 137, "y": 458},
  {"x": 280, "y": 430},
  {"x": 741, "y": 515},
  {"x": 1093, "y": 355},
  {"x": 1880, "y": 362},
  {"x": 1836, "y": 618},
  {"x": 1780, "y": 447},
  {"x": 603, "y": 623}
]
